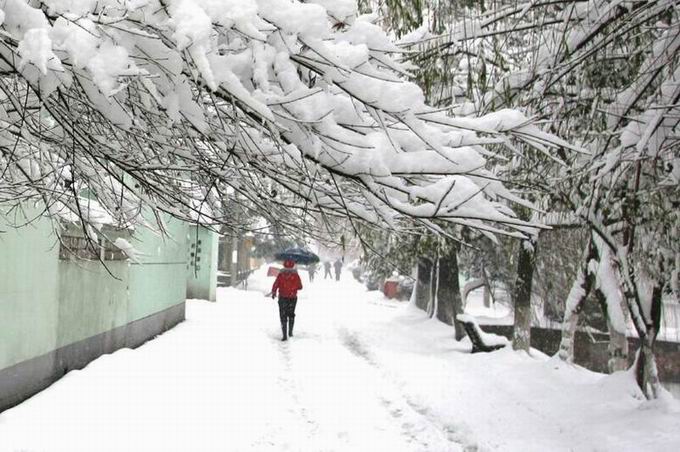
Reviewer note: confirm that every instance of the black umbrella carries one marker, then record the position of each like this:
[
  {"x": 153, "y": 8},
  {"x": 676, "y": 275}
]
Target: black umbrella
[{"x": 297, "y": 255}]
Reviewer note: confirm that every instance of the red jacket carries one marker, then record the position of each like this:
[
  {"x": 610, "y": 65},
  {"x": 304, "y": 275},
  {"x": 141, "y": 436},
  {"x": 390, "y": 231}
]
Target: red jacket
[{"x": 287, "y": 283}]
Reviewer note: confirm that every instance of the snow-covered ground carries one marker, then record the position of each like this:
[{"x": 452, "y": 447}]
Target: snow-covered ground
[{"x": 361, "y": 374}]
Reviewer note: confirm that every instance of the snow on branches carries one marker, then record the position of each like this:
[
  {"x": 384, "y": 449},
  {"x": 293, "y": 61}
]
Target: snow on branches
[{"x": 174, "y": 103}]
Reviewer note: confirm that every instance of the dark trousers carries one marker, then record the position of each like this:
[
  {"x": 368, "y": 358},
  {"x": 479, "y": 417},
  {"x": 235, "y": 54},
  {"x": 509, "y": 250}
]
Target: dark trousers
[{"x": 287, "y": 315}]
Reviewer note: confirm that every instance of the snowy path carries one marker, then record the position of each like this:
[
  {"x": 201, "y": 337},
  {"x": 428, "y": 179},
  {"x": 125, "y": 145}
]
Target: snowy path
[
  {"x": 361, "y": 374},
  {"x": 223, "y": 380}
]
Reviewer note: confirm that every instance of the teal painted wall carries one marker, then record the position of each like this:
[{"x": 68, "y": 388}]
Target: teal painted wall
[
  {"x": 29, "y": 307},
  {"x": 62, "y": 308},
  {"x": 91, "y": 301},
  {"x": 47, "y": 303},
  {"x": 201, "y": 268},
  {"x": 158, "y": 281}
]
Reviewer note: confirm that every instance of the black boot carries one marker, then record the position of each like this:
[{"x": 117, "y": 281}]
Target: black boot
[
  {"x": 291, "y": 322},
  {"x": 283, "y": 330}
]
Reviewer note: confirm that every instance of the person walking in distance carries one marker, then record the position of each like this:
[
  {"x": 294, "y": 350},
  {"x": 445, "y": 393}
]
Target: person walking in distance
[
  {"x": 327, "y": 270},
  {"x": 311, "y": 269},
  {"x": 287, "y": 284},
  {"x": 338, "y": 269}
]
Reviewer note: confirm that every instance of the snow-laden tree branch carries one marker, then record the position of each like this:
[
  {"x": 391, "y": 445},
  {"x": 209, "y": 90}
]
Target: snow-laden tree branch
[{"x": 173, "y": 104}]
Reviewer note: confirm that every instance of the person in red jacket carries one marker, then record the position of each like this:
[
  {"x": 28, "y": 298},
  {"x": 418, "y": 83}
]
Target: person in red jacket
[{"x": 287, "y": 284}]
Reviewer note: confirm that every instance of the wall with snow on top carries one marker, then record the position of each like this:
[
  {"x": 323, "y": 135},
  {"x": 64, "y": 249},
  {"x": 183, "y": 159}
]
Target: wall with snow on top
[{"x": 60, "y": 308}]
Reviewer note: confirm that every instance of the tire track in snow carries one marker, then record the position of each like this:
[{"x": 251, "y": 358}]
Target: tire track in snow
[{"x": 403, "y": 407}]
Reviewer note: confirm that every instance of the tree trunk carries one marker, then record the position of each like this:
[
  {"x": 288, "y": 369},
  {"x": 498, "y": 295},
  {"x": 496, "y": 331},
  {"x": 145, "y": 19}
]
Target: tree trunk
[
  {"x": 423, "y": 283},
  {"x": 521, "y": 336},
  {"x": 449, "y": 301},
  {"x": 574, "y": 304},
  {"x": 434, "y": 284},
  {"x": 646, "y": 372},
  {"x": 645, "y": 365},
  {"x": 487, "y": 289},
  {"x": 235, "y": 241},
  {"x": 226, "y": 256},
  {"x": 647, "y": 326},
  {"x": 612, "y": 304},
  {"x": 618, "y": 342}
]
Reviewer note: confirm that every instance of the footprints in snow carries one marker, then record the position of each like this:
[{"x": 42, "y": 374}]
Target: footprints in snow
[
  {"x": 287, "y": 382},
  {"x": 414, "y": 417},
  {"x": 418, "y": 424},
  {"x": 353, "y": 344}
]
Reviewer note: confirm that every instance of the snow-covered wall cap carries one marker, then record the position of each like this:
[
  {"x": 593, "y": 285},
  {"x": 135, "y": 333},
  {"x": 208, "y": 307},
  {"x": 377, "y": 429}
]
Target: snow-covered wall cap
[{"x": 90, "y": 212}]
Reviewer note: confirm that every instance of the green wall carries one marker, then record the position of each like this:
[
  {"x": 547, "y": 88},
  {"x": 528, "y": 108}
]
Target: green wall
[
  {"x": 91, "y": 301},
  {"x": 29, "y": 307},
  {"x": 58, "y": 313},
  {"x": 201, "y": 268},
  {"x": 47, "y": 303},
  {"x": 158, "y": 280}
]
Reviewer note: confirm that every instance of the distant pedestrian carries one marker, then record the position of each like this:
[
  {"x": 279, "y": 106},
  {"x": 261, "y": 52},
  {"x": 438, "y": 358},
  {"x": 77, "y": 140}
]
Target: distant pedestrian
[
  {"x": 311, "y": 269},
  {"x": 338, "y": 269},
  {"x": 327, "y": 270},
  {"x": 287, "y": 284}
]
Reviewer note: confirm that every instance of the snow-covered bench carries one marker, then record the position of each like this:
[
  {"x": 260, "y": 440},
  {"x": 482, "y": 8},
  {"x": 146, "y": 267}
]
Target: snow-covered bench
[{"x": 481, "y": 341}]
